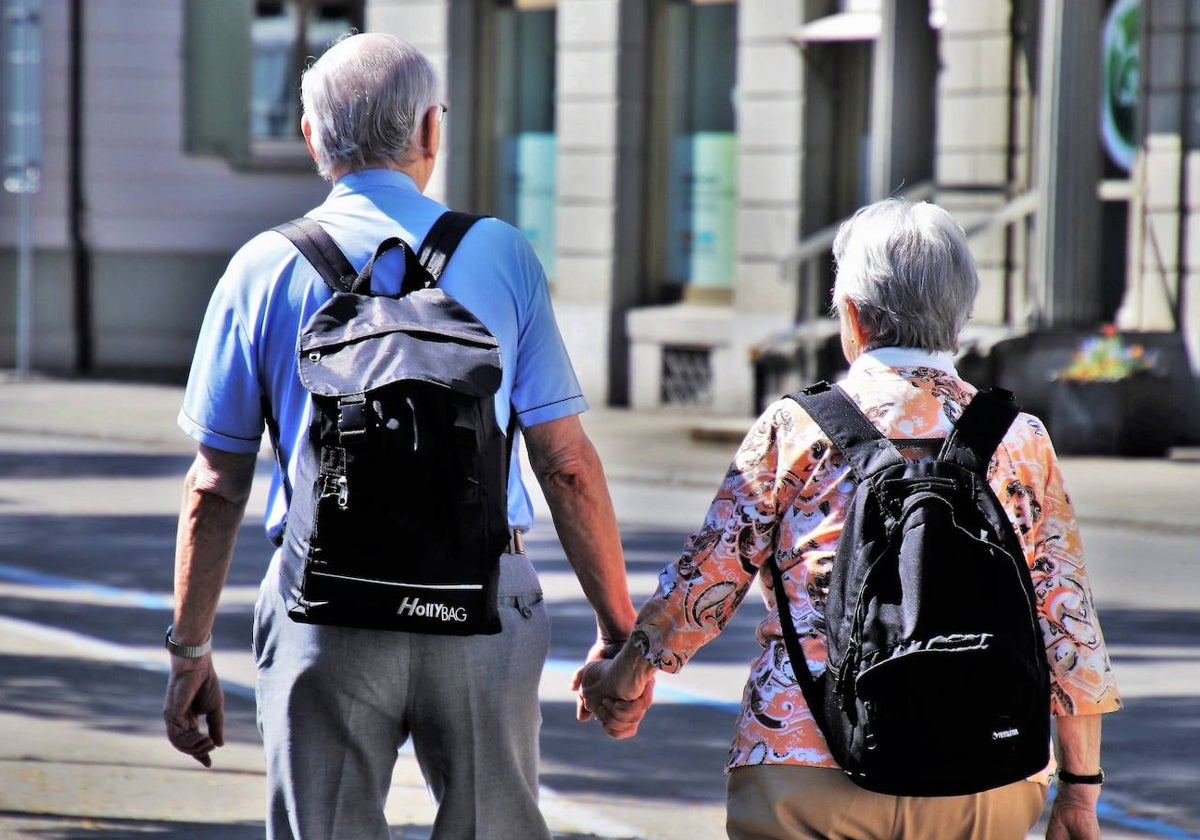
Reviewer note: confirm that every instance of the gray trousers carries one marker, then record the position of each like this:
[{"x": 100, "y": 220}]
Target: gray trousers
[{"x": 335, "y": 704}]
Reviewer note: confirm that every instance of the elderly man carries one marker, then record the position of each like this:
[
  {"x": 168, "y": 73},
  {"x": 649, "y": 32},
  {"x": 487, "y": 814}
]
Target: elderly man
[
  {"x": 334, "y": 703},
  {"x": 905, "y": 286}
]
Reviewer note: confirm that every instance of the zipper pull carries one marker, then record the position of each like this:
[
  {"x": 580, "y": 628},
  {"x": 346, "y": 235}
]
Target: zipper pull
[{"x": 343, "y": 493}]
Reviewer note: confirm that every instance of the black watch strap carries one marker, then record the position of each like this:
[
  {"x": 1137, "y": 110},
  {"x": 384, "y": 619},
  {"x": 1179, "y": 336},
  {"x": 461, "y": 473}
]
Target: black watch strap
[{"x": 1077, "y": 779}]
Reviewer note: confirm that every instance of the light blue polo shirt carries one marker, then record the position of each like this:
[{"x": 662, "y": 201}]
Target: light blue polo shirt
[{"x": 246, "y": 353}]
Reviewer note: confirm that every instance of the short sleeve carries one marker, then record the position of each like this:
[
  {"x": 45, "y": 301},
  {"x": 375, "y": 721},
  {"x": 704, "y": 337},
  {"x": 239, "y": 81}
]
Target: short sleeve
[
  {"x": 545, "y": 387},
  {"x": 222, "y": 405}
]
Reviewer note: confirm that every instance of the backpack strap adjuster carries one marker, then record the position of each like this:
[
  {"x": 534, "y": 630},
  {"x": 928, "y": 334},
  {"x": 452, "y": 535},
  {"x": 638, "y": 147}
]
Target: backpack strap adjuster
[{"x": 352, "y": 416}]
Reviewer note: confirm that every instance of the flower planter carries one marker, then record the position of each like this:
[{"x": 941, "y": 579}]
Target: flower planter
[{"x": 1132, "y": 416}]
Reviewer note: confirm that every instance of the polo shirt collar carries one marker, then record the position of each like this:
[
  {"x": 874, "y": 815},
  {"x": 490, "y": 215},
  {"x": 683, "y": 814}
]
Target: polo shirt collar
[
  {"x": 883, "y": 358},
  {"x": 366, "y": 179}
]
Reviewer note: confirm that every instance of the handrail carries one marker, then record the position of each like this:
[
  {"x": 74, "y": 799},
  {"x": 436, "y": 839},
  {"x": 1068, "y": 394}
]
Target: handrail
[
  {"x": 816, "y": 244},
  {"x": 1017, "y": 208}
]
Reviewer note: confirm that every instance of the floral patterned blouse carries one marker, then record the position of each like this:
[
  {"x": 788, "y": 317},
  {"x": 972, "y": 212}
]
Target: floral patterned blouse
[{"x": 786, "y": 493}]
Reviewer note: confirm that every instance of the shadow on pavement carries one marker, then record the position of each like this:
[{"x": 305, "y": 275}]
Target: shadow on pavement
[
  {"x": 677, "y": 756},
  {"x": 102, "y": 696},
  {"x": 58, "y": 464},
  {"x": 1151, "y": 744},
  {"x": 133, "y": 552},
  {"x": 58, "y": 828}
]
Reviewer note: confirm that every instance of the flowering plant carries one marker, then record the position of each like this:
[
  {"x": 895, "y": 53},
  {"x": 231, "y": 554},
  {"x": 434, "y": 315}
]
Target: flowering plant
[{"x": 1106, "y": 358}]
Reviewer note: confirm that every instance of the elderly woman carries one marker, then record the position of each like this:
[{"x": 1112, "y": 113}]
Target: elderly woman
[{"x": 905, "y": 288}]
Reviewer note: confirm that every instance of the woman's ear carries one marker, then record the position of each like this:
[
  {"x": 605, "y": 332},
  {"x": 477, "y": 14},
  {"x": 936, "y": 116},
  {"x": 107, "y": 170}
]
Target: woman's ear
[{"x": 306, "y": 130}]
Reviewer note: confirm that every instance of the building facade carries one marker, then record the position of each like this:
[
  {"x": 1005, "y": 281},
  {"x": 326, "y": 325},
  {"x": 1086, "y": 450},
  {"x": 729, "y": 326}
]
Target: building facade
[{"x": 679, "y": 166}]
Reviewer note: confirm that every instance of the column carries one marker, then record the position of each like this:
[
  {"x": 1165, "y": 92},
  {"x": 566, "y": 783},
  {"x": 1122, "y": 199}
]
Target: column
[{"x": 1066, "y": 261}]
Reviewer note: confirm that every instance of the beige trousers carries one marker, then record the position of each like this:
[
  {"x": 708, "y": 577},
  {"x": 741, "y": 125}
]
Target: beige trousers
[{"x": 786, "y": 802}]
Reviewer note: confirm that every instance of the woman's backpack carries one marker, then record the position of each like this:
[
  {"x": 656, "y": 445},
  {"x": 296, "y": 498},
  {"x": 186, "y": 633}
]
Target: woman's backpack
[{"x": 936, "y": 682}]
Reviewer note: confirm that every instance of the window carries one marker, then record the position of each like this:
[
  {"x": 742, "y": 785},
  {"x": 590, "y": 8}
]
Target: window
[
  {"x": 693, "y": 145},
  {"x": 285, "y": 36},
  {"x": 242, "y": 73},
  {"x": 522, "y": 138}
]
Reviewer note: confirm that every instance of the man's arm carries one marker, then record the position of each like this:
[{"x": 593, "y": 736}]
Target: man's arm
[
  {"x": 1073, "y": 814},
  {"x": 214, "y": 501},
  {"x": 572, "y": 479}
]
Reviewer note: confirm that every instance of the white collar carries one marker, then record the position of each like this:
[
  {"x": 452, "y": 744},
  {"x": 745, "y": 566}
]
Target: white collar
[{"x": 903, "y": 357}]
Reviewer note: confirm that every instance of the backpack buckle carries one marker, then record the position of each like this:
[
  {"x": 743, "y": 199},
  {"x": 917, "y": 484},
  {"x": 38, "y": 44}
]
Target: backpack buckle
[{"x": 352, "y": 416}]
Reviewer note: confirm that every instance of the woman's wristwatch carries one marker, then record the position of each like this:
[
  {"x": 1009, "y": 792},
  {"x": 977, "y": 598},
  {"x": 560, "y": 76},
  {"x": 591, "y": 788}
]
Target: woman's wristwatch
[{"x": 1077, "y": 779}]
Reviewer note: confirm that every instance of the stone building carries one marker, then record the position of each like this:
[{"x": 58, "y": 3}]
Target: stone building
[{"x": 679, "y": 167}]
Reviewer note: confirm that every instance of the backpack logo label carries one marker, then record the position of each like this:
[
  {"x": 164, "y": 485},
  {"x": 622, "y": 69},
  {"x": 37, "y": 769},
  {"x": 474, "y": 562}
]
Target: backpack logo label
[
  {"x": 1005, "y": 734},
  {"x": 413, "y": 607}
]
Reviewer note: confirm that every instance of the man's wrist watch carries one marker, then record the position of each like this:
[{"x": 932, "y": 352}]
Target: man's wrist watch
[
  {"x": 187, "y": 651},
  {"x": 1077, "y": 779}
]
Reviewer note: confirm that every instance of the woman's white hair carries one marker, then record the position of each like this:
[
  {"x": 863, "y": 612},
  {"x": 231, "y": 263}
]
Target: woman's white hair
[
  {"x": 908, "y": 271},
  {"x": 365, "y": 99}
]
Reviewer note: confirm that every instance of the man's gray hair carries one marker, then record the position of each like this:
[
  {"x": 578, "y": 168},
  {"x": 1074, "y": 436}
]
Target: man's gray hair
[
  {"x": 365, "y": 99},
  {"x": 908, "y": 270}
]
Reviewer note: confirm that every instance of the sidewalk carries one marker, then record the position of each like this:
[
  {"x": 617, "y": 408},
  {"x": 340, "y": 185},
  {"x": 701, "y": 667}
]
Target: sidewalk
[{"x": 672, "y": 447}]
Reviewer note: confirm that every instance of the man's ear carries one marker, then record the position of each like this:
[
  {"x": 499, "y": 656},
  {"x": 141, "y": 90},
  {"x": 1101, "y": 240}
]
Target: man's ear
[
  {"x": 433, "y": 131},
  {"x": 306, "y": 130}
]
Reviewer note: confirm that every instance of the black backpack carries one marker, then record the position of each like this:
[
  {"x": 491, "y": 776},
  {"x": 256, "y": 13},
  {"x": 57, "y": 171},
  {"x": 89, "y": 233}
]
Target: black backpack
[
  {"x": 936, "y": 681},
  {"x": 398, "y": 516}
]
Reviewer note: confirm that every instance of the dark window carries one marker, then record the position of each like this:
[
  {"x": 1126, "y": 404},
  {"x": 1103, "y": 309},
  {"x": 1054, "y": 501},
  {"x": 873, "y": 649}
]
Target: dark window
[
  {"x": 285, "y": 37},
  {"x": 694, "y": 148},
  {"x": 243, "y": 60}
]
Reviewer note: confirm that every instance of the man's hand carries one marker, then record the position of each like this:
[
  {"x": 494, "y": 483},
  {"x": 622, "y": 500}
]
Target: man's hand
[
  {"x": 214, "y": 501},
  {"x": 1073, "y": 813},
  {"x": 194, "y": 690},
  {"x": 618, "y": 697},
  {"x": 602, "y": 649}
]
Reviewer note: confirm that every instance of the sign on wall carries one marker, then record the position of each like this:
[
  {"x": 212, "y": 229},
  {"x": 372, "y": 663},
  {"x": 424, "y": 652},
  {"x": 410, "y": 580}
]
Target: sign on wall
[{"x": 22, "y": 96}]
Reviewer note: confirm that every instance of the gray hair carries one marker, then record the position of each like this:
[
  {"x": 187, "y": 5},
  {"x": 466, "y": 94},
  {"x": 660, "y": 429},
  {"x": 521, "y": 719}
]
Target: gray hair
[
  {"x": 365, "y": 98},
  {"x": 909, "y": 272}
]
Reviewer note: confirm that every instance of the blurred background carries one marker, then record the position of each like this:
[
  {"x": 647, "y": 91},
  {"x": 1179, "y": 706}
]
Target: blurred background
[{"x": 680, "y": 168}]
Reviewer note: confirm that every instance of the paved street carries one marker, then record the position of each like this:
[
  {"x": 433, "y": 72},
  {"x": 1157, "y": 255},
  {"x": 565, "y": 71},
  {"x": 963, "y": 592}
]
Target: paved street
[{"x": 89, "y": 488}]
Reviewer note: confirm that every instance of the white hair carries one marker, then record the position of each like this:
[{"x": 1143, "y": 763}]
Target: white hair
[
  {"x": 364, "y": 99},
  {"x": 908, "y": 271}
]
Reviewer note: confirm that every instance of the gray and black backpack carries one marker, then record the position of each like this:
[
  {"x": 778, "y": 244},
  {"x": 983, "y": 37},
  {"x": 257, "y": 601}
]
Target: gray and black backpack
[
  {"x": 398, "y": 516},
  {"x": 936, "y": 681}
]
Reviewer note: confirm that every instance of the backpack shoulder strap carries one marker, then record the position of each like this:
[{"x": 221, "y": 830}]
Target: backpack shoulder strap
[
  {"x": 321, "y": 251},
  {"x": 979, "y": 430},
  {"x": 442, "y": 239},
  {"x": 840, "y": 418}
]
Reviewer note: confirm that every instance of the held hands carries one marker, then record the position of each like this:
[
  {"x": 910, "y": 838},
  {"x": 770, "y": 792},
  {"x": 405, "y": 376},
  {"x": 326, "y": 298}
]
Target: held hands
[
  {"x": 617, "y": 691},
  {"x": 194, "y": 690},
  {"x": 601, "y": 649}
]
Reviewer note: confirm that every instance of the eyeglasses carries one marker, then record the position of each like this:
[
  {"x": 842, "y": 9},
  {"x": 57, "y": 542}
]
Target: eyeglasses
[{"x": 442, "y": 109}]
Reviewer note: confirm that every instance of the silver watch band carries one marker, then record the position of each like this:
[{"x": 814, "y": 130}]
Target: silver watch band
[{"x": 187, "y": 651}]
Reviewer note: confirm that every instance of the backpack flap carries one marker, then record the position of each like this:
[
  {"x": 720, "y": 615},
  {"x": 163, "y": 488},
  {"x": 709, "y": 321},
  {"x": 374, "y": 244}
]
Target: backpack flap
[{"x": 356, "y": 343}]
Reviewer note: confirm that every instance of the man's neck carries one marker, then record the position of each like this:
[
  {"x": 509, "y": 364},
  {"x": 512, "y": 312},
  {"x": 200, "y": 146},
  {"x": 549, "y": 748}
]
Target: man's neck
[{"x": 413, "y": 171}]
